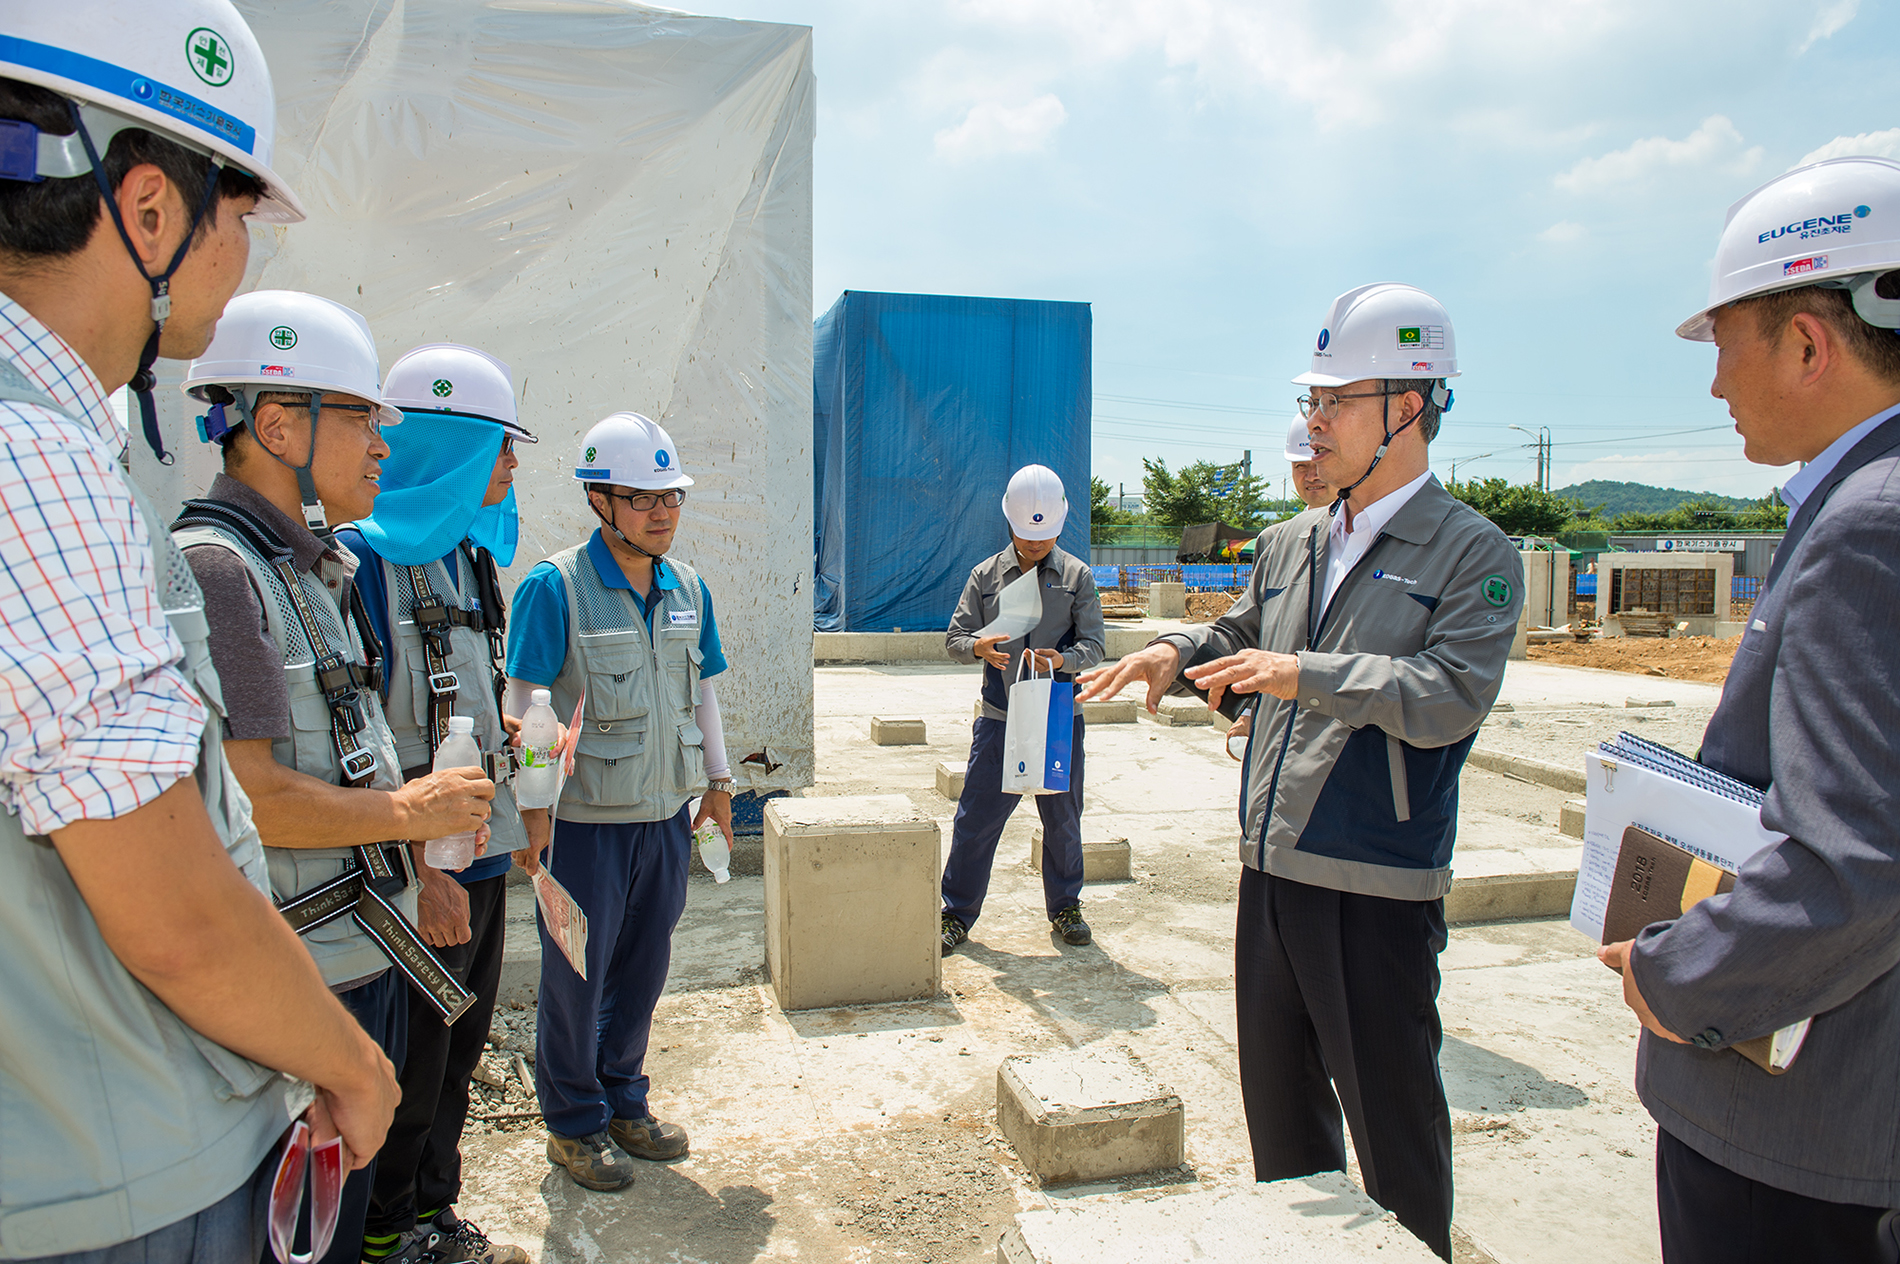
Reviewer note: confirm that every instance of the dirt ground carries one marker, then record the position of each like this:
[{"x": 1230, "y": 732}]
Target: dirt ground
[
  {"x": 1679, "y": 658},
  {"x": 1205, "y": 607}
]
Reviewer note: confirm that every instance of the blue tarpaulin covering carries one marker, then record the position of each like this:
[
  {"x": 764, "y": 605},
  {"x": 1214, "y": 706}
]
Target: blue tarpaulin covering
[{"x": 923, "y": 406}]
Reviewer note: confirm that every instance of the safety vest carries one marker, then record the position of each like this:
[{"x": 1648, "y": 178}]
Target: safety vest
[
  {"x": 428, "y": 684},
  {"x": 119, "y": 1118},
  {"x": 640, "y": 755},
  {"x": 343, "y": 949}
]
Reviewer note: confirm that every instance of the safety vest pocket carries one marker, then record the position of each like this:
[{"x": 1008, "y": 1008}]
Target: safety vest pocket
[
  {"x": 607, "y": 763},
  {"x": 613, "y": 680}
]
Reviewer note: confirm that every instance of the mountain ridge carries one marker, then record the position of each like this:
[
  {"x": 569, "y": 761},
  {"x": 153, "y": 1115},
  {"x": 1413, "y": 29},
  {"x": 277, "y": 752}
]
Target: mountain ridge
[{"x": 1619, "y": 497}]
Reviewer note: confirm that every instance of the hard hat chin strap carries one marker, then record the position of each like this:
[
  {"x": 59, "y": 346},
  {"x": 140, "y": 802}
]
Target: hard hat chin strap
[
  {"x": 144, "y": 379},
  {"x": 313, "y": 515},
  {"x": 1385, "y": 424}
]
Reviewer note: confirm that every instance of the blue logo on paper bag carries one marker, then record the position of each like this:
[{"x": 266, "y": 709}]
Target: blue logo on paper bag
[
  {"x": 1325, "y": 336},
  {"x": 661, "y": 459}
]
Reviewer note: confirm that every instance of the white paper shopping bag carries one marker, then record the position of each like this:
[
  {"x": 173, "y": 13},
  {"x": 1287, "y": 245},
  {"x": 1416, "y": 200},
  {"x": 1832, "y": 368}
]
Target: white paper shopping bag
[{"x": 1039, "y": 733}]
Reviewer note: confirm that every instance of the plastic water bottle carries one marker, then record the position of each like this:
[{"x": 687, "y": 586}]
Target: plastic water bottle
[
  {"x": 458, "y": 750},
  {"x": 714, "y": 851},
  {"x": 540, "y": 731}
]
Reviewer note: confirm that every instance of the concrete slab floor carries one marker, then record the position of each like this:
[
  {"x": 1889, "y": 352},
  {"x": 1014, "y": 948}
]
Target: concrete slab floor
[{"x": 869, "y": 1133}]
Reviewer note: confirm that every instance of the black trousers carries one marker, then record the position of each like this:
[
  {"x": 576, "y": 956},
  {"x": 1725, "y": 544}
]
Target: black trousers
[
  {"x": 419, "y": 1167},
  {"x": 1710, "y": 1214},
  {"x": 1338, "y": 1005}
]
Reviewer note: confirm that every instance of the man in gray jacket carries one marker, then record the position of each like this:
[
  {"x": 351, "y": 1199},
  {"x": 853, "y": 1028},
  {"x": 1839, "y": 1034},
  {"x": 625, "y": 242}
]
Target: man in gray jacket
[
  {"x": 1804, "y": 1165},
  {"x": 1375, "y": 634}
]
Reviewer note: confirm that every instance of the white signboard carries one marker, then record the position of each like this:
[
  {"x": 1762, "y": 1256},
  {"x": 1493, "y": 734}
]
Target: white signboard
[{"x": 1699, "y": 546}]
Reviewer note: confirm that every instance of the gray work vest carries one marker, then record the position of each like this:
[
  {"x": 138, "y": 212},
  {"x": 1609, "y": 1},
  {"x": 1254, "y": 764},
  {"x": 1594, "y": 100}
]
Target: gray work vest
[
  {"x": 407, "y": 708},
  {"x": 640, "y": 755},
  {"x": 117, "y": 1119},
  {"x": 343, "y": 950}
]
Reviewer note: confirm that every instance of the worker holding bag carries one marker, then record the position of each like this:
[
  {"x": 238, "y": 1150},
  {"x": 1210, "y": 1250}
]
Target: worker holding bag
[{"x": 1031, "y": 609}]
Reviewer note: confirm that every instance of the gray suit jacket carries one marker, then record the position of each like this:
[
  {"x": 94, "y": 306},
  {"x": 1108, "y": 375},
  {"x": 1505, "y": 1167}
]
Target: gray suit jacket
[{"x": 1811, "y": 714}]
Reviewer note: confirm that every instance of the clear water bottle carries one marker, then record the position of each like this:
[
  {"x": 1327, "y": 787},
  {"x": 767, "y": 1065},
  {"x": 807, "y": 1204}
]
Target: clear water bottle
[
  {"x": 458, "y": 750},
  {"x": 540, "y": 733},
  {"x": 714, "y": 851}
]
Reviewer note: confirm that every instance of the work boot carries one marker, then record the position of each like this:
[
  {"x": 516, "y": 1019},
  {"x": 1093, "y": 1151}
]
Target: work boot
[
  {"x": 593, "y": 1161},
  {"x": 460, "y": 1242},
  {"x": 416, "y": 1245},
  {"x": 954, "y": 933},
  {"x": 1069, "y": 924},
  {"x": 649, "y": 1138}
]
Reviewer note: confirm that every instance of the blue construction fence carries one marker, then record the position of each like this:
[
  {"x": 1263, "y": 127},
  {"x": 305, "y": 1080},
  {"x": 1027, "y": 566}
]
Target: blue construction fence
[
  {"x": 1741, "y": 587},
  {"x": 1199, "y": 577}
]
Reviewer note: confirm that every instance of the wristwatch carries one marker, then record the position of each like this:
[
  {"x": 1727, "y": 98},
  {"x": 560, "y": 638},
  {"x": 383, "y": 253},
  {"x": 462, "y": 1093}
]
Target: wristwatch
[{"x": 725, "y": 786}]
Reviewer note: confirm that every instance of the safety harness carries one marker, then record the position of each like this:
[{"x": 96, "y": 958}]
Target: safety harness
[
  {"x": 433, "y": 618},
  {"x": 379, "y": 871}
]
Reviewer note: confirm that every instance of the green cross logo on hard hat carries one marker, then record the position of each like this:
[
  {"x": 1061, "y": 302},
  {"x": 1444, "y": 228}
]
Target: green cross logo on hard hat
[
  {"x": 443, "y": 388},
  {"x": 590, "y": 454},
  {"x": 210, "y": 56},
  {"x": 283, "y": 337},
  {"x": 1496, "y": 590}
]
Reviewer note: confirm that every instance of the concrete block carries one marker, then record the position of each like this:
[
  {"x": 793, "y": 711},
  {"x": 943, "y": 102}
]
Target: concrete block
[
  {"x": 1564, "y": 777},
  {"x": 1319, "y": 1219},
  {"x": 1106, "y": 861},
  {"x": 1570, "y": 818},
  {"x": 1088, "y": 1114},
  {"x": 851, "y": 906},
  {"x": 891, "y": 731},
  {"x": 1184, "y": 711},
  {"x": 950, "y": 779},
  {"x": 1167, "y": 601},
  {"x": 1509, "y": 897},
  {"x": 1109, "y": 711},
  {"x": 1649, "y": 702}
]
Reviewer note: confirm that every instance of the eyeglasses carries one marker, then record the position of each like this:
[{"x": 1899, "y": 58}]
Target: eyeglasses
[
  {"x": 1326, "y": 403},
  {"x": 371, "y": 415},
  {"x": 640, "y": 502}
]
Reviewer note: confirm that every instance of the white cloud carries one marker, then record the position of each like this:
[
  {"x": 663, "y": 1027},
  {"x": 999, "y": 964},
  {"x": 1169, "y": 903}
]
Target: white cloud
[
  {"x": 1563, "y": 233},
  {"x": 1714, "y": 144},
  {"x": 992, "y": 128},
  {"x": 1831, "y": 18},
  {"x": 1877, "y": 144}
]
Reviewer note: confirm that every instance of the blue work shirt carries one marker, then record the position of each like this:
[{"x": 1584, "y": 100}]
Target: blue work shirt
[
  {"x": 373, "y": 582},
  {"x": 537, "y": 622}
]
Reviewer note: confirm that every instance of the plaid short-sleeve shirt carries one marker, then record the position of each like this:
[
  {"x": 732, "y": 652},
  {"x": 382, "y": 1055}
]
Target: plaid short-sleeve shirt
[{"x": 99, "y": 720}]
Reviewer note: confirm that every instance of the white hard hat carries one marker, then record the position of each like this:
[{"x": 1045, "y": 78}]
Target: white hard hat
[
  {"x": 443, "y": 377},
  {"x": 1034, "y": 503},
  {"x": 1833, "y": 223},
  {"x": 285, "y": 340},
  {"x": 1299, "y": 444},
  {"x": 629, "y": 450},
  {"x": 187, "y": 70},
  {"x": 1383, "y": 331}
]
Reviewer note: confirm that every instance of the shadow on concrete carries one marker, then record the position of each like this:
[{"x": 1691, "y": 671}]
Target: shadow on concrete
[
  {"x": 664, "y": 1215},
  {"x": 1482, "y": 1081},
  {"x": 1082, "y": 992},
  {"x": 897, "y": 1016}
]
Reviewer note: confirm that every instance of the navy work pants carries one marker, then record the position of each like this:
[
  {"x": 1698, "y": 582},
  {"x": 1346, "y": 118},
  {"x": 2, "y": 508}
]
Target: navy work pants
[
  {"x": 591, "y": 1034},
  {"x": 1711, "y": 1215},
  {"x": 983, "y": 811},
  {"x": 1337, "y": 996},
  {"x": 419, "y": 1168}
]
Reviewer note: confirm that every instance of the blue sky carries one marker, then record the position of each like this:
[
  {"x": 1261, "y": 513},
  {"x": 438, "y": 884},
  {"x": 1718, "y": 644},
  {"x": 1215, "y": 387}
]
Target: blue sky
[{"x": 1209, "y": 175}]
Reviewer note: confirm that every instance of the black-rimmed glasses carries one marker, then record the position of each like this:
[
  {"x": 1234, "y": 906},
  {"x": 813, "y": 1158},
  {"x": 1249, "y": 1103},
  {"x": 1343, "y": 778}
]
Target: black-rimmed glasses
[{"x": 641, "y": 502}]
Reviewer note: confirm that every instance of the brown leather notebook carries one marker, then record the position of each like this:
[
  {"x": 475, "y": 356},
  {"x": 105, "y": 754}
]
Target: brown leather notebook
[{"x": 1657, "y": 881}]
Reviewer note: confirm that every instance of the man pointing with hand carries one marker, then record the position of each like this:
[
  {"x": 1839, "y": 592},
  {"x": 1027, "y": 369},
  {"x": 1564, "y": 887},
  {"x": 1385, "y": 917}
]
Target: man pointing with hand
[{"x": 1376, "y": 633}]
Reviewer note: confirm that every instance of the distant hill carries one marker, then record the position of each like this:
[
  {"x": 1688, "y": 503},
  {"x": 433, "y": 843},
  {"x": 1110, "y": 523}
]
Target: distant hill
[{"x": 1619, "y": 498}]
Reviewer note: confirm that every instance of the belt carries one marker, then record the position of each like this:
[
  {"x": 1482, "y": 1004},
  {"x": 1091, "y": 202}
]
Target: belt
[{"x": 363, "y": 892}]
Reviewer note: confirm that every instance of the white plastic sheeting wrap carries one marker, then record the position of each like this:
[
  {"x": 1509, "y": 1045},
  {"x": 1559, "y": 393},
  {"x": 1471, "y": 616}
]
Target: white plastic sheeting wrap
[{"x": 615, "y": 200}]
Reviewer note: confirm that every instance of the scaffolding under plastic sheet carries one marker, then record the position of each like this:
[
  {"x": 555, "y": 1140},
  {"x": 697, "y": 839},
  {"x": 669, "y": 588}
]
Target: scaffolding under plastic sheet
[
  {"x": 923, "y": 406},
  {"x": 616, "y": 200}
]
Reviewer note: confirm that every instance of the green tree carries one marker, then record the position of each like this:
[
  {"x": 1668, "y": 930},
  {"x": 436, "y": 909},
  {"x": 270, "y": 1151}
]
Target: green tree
[
  {"x": 1203, "y": 492},
  {"x": 1520, "y": 509},
  {"x": 1101, "y": 512}
]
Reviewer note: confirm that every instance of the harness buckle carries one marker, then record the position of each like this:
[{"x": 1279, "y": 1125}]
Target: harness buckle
[
  {"x": 359, "y": 764},
  {"x": 444, "y": 682},
  {"x": 435, "y": 615}
]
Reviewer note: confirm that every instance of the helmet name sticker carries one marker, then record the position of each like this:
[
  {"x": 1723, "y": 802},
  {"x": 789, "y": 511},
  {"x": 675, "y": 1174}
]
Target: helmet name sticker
[
  {"x": 283, "y": 337},
  {"x": 275, "y": 370},
  {"x": 210, "y": 56},
  {"x": 1795, "y": 267},
  {"x": 1414, "y": 337}
]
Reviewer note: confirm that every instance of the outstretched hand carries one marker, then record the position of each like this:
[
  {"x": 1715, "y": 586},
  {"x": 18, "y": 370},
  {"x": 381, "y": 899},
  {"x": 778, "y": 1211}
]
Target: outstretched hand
[
  {"x": 1155, "y": 665},
  {"x": 1248, "y": 671}
]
